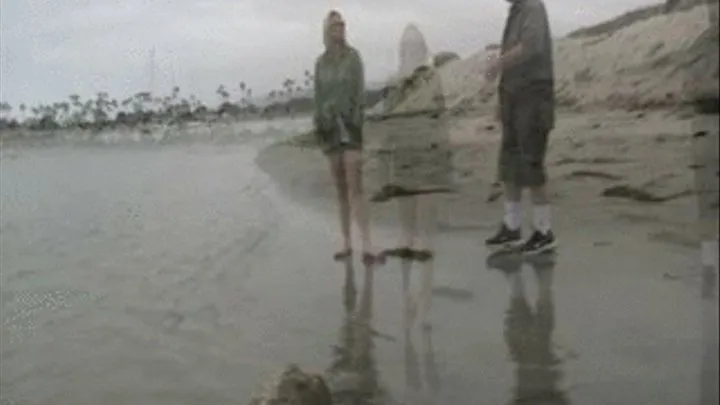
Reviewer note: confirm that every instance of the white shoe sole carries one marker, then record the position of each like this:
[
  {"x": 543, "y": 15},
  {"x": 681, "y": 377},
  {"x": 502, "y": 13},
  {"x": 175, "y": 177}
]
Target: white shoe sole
[
  {"x": 508, "y": 247},
  {"x": 546, "y": 248}
]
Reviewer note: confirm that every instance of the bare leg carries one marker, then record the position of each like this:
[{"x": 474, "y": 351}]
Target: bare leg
[
  {"x": 428, "y": 210},
  {"x": 337, "y": 169},
  {"x": 432, "y": 377},
  {"x": 353, "y": 172},
  {"x": 363, "y": 326},
  {"x": 410, "y": 306},
  {"x": 407, "y": 212},
  {"x": 407, "y": 208}
]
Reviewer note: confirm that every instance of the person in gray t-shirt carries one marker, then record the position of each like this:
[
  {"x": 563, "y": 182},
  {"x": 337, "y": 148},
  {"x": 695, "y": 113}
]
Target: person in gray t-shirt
[{"x": 527, "y": 113}]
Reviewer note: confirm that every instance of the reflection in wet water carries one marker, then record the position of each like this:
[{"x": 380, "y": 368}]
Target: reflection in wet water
[
  {"x": 422, "y": 380},
  {"x": 22, "y": 310},
  {"x": 709, "y": 372},
  {"x": 353, "y": 373},
  {"x": 174, "y": 276},
  {"x": 529, "y": 329}
]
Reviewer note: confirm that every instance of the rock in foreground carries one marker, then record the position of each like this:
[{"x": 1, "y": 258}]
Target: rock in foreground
[{"x": 294, "y": 387}]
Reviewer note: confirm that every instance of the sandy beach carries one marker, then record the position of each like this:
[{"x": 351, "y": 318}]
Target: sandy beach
[
  {"x": 632, "y": 166},
  {"x": 615, "y": 169},
  {"x": 639, "y": 66}
]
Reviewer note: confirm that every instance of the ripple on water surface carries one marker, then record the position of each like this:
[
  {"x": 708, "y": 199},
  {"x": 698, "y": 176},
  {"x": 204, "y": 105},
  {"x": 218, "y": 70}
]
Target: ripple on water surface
[{"x": 22, "y": 311}]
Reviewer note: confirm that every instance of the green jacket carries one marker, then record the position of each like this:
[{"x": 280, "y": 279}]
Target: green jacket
[{"x": 339, "y": 92}]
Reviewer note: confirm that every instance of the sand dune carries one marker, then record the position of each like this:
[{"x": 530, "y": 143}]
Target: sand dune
[{"x": 646, "y": 64}]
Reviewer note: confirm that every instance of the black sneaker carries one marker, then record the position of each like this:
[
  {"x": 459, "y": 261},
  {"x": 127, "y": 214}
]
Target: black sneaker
[
  {"x": 538, "y": 243},
  {"x": 505, "y": 238}
]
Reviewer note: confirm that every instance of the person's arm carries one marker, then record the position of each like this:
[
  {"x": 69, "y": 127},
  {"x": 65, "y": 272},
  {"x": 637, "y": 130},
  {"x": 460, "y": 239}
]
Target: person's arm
[
  {"x": 317, "y": 97},
  {"x": 533, "y": 40},
  {"x": 357, "y": 90},
  {"x": 511, "y": 57}
]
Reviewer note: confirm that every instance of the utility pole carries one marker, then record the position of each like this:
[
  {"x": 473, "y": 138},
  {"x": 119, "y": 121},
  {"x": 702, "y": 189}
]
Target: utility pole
[{"x": 152, "y": 70}]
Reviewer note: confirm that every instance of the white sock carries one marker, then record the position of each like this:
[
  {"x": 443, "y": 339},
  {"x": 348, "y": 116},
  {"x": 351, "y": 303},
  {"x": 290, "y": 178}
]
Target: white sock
[
  {"x": 709, "y": 253},
  {"x": 513, "y": 215},
  {"x": 541, "y": 218}
]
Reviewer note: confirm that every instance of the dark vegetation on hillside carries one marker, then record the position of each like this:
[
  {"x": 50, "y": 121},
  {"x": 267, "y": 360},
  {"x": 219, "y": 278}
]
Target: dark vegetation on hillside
[{"x": 631, "y": 17}]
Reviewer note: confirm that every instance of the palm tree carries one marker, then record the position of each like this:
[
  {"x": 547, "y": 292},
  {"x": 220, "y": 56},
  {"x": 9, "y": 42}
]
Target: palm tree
[
  {"x": 5, "y": 108},
  {"x": 288, "y": 86},
  {"x": 115, "y": 106},
  {"x": 64, "y": 107},
  {"x": 246, "y": 99},
  {"x": 223, "y": 93},
  {"x": 308, "y": 78},
  {"x": 102, "y": 108},
  {"x": 53, "y": 110},
  {"x": 23, "y": 109},
  {"x": 87, "y": 109},
  {"x": 250, "y": 103}
]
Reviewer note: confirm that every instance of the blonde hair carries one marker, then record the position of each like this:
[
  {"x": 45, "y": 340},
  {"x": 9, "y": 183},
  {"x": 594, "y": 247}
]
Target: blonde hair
[
  {"x": 414, "y": 51},
  {"x": 326, "y": 26}
]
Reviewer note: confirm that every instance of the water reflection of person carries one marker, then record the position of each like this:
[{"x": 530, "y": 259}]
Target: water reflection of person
[
  {"x": 338, "y": 122},
  {"x": 528, "y": 332},
  {"x": 709, "y": 372},
  {"x": 416, "y": 163},
  {"x": 422, "y": 381},
  {"x": 353, "y": 369}
]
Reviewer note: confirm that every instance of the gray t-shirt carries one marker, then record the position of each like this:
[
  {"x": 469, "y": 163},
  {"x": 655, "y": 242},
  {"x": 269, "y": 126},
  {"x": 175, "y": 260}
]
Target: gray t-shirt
[{"x": 527, "y": 24}]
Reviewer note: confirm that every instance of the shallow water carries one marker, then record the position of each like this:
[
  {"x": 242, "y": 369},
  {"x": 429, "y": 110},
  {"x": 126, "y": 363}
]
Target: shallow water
[{"x": 180, "y": 275}]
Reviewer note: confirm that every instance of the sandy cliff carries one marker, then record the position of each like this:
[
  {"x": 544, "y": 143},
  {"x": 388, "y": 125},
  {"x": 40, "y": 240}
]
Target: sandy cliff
[{"x": 656, "y": 61}]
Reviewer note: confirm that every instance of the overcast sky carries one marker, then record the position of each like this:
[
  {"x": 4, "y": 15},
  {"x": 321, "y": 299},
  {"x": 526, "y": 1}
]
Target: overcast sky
[{"x": 52, "y": 48}]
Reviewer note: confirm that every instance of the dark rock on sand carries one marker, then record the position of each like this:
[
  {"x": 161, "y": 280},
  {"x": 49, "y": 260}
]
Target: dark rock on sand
[
  {"x": 640, "y": 195},
  {"x": 580, "y": 174},
  {"x": 590, "y": 161},
  {"x": 295, "y": 387}
]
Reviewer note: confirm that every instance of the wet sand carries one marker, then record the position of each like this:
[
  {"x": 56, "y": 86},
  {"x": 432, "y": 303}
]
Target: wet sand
[{"x": 183, "y": 274}]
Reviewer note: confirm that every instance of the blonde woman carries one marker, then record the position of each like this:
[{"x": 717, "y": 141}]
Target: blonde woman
[{"x": 338, "y": 121}]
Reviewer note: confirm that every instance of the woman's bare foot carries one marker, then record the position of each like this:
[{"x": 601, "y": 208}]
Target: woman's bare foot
[{"x": 343, "y": 255}]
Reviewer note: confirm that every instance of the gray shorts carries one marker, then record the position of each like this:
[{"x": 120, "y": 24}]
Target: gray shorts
[
  {"x": 332, "y": 141},
  {"x": 527, "y": 118}
]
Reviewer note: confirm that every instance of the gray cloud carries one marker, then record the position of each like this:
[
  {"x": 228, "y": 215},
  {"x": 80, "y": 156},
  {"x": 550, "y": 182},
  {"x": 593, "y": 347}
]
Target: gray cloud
[{"x": 50, "y": 49}]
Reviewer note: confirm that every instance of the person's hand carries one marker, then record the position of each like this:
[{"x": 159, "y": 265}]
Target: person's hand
[
  {"x": 328, "y": 110},
  {"x": 493, "y": 67}
]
